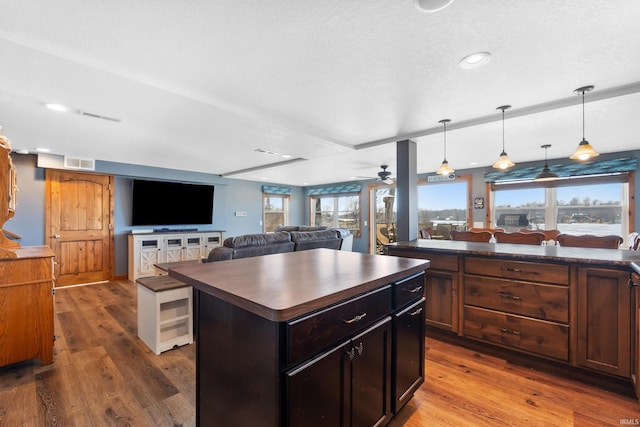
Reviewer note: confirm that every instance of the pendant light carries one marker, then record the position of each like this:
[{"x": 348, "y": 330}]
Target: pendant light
[
  {"x": 546, "y": 174},
  {"x": 504, "y": 162},
  {"x": 584, "y": 151},
  {"x": 444, "y": 168}
]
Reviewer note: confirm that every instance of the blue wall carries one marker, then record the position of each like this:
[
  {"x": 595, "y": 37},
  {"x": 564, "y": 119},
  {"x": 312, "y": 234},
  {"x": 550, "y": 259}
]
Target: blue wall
[{"x": 229, "y": 196}]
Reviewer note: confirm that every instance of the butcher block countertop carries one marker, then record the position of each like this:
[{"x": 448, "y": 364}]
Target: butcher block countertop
[{"x": 280, "y": 287}]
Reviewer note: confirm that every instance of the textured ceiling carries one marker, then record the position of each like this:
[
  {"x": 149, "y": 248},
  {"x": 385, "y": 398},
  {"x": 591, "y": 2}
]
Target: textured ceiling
[{"x": 200, "y": 85}]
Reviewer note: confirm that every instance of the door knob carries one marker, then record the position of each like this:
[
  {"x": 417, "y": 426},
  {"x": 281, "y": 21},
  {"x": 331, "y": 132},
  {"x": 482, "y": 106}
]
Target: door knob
[{"x": 56, "y": 236}]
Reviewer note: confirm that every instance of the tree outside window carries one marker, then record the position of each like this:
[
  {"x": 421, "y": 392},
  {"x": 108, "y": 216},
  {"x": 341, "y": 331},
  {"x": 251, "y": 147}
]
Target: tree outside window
[
  {"x": 340, "y": 211},
  {"x": 275, "y": 211}
]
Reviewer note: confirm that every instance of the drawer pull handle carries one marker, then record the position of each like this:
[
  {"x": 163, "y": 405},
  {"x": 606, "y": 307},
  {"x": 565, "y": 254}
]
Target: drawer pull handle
[
  {"x": 356, "y": 318},
  {"x": 511, "y": 269},
  {"x": 414, "y": 290},
  {"x": 415, "y": 313},
  {"x": 509, "y": 331},
  {"x": 509, "y": 296}
]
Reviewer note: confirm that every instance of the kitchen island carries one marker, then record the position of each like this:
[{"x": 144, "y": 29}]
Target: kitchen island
[
  {"x": 317, "y": 337},
  {"x": 574, "y": 307}
]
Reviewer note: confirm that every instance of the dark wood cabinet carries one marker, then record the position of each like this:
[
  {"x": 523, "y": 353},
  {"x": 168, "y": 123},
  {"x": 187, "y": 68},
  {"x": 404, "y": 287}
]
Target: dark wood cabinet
[
  {"x": 635, "y": 294},
  {"x": 275, "y": 350},
  {"x": 441, "y": 288},
  {"x": 408, "y": 333},
  {"x": 317, "y": 390},
  {"x": 604, "y": 320},
  {"x": 348, "y": 385}
]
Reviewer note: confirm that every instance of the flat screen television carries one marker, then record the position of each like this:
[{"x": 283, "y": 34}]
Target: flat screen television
[{"x": 171, "y": 203}]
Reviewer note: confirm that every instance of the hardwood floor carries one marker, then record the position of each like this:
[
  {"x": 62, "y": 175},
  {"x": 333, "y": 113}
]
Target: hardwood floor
[{"x": 104, "y": 375}]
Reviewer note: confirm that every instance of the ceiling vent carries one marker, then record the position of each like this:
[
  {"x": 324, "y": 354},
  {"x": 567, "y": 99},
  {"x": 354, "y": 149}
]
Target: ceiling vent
[{"x": 78, "y": 163}]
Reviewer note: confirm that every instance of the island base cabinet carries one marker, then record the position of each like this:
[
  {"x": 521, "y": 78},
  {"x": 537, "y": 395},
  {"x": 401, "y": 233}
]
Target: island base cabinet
[
  {"x": 604, "y": 320},
  {"x": 349, "y": 385},
  {"x": 408, "y": 365}
]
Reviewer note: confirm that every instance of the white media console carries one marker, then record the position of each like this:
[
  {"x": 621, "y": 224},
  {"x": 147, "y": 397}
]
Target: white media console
[{"x": 148, "y": 249}]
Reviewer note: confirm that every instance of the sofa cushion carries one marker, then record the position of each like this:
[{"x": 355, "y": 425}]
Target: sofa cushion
[
  {"x": 312, "y": 227},
  {"x": 220, "y": 253},
  {"x": 316, "y": 239},
  {"x": 279, "y": 237}
]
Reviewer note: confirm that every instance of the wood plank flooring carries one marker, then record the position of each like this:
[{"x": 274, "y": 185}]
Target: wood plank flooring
[{"x": 104, "y": 375}]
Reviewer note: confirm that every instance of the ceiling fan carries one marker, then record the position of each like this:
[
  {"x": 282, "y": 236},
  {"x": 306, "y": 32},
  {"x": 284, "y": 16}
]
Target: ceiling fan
[{"x": 384, "y": 175}]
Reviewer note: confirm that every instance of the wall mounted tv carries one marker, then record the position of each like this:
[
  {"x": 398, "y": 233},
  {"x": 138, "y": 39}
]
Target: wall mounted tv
[{"x": 171, "y": 203}]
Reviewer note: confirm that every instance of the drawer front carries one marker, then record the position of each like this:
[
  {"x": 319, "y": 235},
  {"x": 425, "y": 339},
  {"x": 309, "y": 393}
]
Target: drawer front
[
  {"x": 408, "y": 290},
  {"x": 531, "y": 335},
  {"x": 438, "y": 261},
  {"x": 311, "y": 334},
  {"x": 520, "y": 270},
  {"x": 547, "y": 302}
]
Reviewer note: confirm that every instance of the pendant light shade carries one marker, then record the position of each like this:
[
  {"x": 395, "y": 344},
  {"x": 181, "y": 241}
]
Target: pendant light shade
[
  {"x": 584, "y": 151},
  {"x": 546, "y": 174},
  {"x": 444, "y": 168},
  {"x": 504, "y": 162}
]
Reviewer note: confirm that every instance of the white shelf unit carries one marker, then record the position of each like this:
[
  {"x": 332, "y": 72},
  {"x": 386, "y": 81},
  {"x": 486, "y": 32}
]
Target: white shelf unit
[
  {"x": 148, "y": 249},
  {"x": 165, "y": 313}
]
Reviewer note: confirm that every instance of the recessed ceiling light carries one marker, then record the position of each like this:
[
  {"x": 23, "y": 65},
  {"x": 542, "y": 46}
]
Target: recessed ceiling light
[
  {"x": 43, "y": 150},
  {"x": 56, "y": 107},
  {"x": 286, "y": 156},
  {"x": 475, "y": 60},
  {"x": 431, "y": 6},
  {"x": 473, "y": 163}
]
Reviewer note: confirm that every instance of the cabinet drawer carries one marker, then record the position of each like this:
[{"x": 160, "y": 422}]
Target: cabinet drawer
[
  {"x": 311, "y": 334},
  {"x": 521, "y": 270},
  {"x": 443, "y": 262},
  {"x": 408, "y": 290},
  {"x": 547, "y": 302},
  {"x": 531, "y": 335},
  {"x": 437, "y": 261}
]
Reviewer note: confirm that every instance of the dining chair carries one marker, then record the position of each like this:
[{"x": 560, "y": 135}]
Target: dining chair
[
  {"x": 549, "y": 235},
  {"x": 533, "y": 238},
  {"x": 490, "y": 230},
  {"x": 590, "y": 241},
  {"x": 471, "y": 236}
]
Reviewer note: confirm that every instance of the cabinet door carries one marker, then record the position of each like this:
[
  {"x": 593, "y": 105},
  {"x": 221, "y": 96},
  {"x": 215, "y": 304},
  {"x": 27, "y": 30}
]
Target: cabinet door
[
  {"x": 210, "y": 241},
  {"x": 192, "y": 247},
  {"x": 604, "y": 320},
  {"x": 316, "y": 391},
  {"x": 173, "y": 247},
  {"x": 442, "y": 300},
  {"x": 371, "y": 376},
  {"x": 408, "y": 357},
  {"x": 149, "y": 253}
]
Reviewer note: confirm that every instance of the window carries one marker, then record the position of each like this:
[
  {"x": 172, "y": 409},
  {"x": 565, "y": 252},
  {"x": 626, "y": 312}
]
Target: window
[
  {"x": 275, "y": 211},
  {"x": 588, "y": 205},
  {"x": 443, "y": 206},
  {"x": 337, "y": 210}
]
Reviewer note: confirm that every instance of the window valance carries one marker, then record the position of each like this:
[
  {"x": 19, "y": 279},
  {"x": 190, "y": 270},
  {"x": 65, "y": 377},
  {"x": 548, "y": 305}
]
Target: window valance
[
  {"x": 566, "y": 170},
  {"x": 335, "y": 189},
  {"x": 276, "y": 189}
]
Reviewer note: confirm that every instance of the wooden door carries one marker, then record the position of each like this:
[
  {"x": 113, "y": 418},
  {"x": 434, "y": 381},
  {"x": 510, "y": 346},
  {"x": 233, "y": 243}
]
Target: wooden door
[{"x": 79, "y": 218}]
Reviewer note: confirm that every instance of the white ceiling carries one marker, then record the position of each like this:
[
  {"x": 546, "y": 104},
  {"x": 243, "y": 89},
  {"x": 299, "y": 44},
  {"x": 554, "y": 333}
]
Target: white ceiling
[{"x": 200, "y": 85}]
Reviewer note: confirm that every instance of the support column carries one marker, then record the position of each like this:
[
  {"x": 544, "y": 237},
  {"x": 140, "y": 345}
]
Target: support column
[{"x": 406, "y": 191}]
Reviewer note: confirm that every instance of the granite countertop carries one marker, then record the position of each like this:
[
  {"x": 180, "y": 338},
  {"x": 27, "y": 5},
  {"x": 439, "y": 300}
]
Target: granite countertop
[{"x": 595, "y": 256}]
